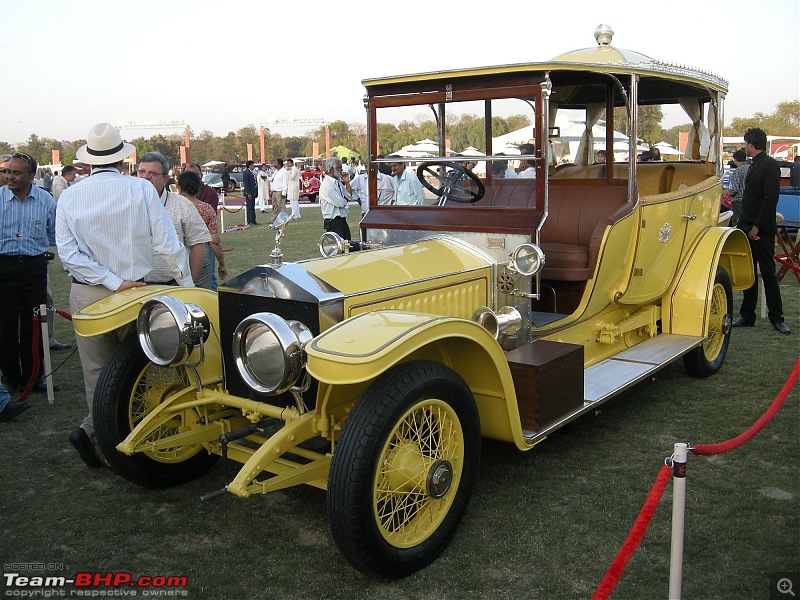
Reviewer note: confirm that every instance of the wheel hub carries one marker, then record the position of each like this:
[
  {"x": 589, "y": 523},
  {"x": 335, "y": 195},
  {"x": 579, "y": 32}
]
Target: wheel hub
[
  {"x": 440, "y": 476},
  {"x": 726, "y": 323}
]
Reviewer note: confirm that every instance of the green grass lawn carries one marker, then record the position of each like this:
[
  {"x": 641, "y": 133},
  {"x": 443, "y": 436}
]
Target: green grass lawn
[{"x": 542, "y": 524}]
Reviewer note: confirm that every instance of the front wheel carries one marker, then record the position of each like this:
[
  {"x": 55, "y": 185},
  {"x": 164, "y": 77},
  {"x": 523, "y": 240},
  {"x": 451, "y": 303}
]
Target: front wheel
[
  {"x": 129, "y": 388},
  {"x": 403, "y": 470},
  {"x": 707, "y": 359}
]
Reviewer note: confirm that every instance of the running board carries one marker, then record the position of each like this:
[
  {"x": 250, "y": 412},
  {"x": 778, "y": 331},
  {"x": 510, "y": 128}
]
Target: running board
[
  {"x": 614, "y": 375},
  {"x": 629, "y": 367}
]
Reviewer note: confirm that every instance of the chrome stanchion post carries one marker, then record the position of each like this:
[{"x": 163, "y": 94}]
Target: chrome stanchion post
[
  {"x": 679, "y": 457},
  {"x": 46, "y": 352}
]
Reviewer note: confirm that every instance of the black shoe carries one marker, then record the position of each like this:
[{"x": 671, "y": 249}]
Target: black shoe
[
  {"x": 40, "y": 387},
  {"x": 12, "y": 409},
  {"x": 742, "y": 322},
  {"x": 80, "y": 439},
  {"x": 782, "y": 327},
  {"x": 58, "y": 347},
  {"x": 12, "y": 386}
]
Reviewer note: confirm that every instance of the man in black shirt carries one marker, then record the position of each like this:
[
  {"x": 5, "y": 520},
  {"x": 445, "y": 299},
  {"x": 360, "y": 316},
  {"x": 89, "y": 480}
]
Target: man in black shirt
[{"x": 760, "y": 199}]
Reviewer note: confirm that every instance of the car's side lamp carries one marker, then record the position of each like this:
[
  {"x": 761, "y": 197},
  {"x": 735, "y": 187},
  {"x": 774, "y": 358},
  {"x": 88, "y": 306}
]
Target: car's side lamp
[
  {"x": 332, "y": 244},
  {"x": 527, "y": 260}
]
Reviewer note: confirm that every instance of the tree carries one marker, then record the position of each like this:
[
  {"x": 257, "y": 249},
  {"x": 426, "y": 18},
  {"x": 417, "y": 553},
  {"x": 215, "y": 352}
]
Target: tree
[
  {"x": 649, "y": 119},
  {"x": 38, "y": 149},
  {"x": 168, "y": 146},
  {"x": 785, "y": 121},
  {"x": 517, "y": 122}
]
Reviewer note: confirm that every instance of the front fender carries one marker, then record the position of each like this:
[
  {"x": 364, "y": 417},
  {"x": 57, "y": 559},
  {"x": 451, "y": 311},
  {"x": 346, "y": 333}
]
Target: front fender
[
  {"x": 122, "y": 308},
  {"x": 690, "y": 295},
  {"x": 356, "y": 351}
]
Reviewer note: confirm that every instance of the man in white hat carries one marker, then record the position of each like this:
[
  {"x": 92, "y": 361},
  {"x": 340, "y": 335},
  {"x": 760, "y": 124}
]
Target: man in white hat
[{"x": 108, "y": 228}]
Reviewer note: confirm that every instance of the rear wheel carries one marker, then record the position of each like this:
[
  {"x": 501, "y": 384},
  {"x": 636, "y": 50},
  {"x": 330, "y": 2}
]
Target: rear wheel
[
  {"x": 707, "y": 359},
  {"x": 129, "y": 388},
  {"x": 403, "y": 470}
]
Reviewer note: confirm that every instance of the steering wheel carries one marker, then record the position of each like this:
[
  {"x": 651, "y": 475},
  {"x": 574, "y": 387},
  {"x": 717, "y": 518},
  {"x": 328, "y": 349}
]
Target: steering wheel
[{"x": 455, "y": 182}]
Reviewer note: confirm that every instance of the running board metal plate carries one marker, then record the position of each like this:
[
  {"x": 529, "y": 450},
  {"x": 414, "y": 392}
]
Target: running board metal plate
[{"x": 631, "y": 366}]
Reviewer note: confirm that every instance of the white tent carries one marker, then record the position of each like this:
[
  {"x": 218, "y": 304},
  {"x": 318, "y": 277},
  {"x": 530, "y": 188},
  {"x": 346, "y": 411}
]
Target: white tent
[
  {"x": 573, "y": 131},
  {"x": 667, "y": 149},
  {"x": 471, "y": 151},
  {"x": 212, "y": 163},
  {"x": 422, "y": 149},
  {"x": 512, "y": 139}
]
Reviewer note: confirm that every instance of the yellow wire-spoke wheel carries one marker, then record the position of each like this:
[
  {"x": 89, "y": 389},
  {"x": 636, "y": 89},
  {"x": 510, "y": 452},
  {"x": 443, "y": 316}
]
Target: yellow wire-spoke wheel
[
  {"x": 707, "y": 359},
  {"x": 129, "y": 388},
  {"x": 403, "y": 469},
  {"x": 153, "y": 385},
  {"x": 718, "y": 324},
  {"x": 419, "y": 470}
]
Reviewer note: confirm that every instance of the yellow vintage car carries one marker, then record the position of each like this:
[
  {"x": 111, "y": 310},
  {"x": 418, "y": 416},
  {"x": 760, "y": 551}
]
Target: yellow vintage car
[{"x": 497, "y": 306}]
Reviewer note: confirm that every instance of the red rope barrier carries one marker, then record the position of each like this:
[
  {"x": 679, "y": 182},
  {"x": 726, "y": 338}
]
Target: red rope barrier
[
  {"x": 746, "y": 436},
  {"x": 36, "y": 361},
  {"x": 35, "y": 353},
  {"x": 634, "y": 537}
]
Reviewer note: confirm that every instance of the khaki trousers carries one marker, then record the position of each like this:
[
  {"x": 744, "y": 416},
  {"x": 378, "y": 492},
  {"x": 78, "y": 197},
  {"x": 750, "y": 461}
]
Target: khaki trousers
[
  {"x": 94, "y": 351},
  {"x": 278, "y": 204}
]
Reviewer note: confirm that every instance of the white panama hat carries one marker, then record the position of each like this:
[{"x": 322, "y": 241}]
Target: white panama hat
[{"x": 104, "y": 146}]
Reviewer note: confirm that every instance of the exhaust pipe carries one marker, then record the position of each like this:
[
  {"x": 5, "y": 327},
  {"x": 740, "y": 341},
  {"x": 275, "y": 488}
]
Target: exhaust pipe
[{"x": 507, "y": 320}]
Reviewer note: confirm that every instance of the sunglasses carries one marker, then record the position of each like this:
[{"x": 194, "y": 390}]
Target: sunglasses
[{"x": 27, "y": 159}]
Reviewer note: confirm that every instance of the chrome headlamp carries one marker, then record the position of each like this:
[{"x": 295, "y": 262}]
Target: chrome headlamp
[
  {"x": 169, "y": 330},
  {"x": 332, "y": 244},
  {"x": 268, "y": 351},
  {"x": 527, "y": 259}
]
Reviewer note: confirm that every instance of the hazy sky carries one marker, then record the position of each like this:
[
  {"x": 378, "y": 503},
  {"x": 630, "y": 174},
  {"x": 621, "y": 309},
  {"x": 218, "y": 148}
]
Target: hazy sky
[{"x": 217, "y": 66}]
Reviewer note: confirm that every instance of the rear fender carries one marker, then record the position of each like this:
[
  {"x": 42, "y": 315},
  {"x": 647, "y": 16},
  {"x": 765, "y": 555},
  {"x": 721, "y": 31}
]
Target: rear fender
[
  {"x": 690, "y": 295},
  {"x": 349, "y": 356}
]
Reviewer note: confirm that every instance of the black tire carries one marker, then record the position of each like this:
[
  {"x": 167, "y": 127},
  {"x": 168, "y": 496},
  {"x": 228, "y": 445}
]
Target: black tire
[
  {"x": 128, "y": 383},
  {"x": 231, "y": 186},
  {"x": 707, "y": 359},
  {"x": 379, "y": 524}
]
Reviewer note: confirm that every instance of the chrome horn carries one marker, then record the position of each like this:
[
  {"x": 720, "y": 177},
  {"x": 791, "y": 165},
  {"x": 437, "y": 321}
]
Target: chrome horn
[{"x": 506, "y": 321}]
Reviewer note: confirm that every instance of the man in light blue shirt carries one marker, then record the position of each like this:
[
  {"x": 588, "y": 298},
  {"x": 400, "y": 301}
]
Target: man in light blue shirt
[
  {"x": 27, "y": 230},
  {"x": 408, "y": 189}
]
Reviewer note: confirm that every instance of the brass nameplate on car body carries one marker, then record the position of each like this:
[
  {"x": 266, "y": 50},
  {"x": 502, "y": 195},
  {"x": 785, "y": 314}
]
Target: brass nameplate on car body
[{"x": 496, "y": 244}]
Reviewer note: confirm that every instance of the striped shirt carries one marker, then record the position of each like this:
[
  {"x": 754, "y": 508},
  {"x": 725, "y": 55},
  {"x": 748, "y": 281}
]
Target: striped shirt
[
  {"x": 27, "y": 228},
  {"x": 188, "y": 225},
  {"x": 736, "y": 184},
  {"x": 109, "y": 226},
  {"x": 333, "y": 198}
]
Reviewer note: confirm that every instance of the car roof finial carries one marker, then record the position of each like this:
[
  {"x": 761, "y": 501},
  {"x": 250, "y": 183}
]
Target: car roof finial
[{"x": 603, "y": 35}]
